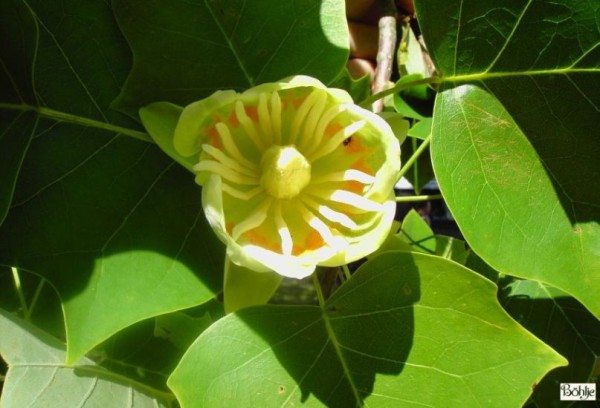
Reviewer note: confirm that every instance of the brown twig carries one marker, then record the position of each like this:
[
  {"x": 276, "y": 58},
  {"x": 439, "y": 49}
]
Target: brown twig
[{"x": 385, "y": 52}]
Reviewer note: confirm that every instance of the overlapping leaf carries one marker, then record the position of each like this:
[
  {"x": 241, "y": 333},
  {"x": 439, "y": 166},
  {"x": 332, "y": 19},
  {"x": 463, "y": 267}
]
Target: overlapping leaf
[
  {"x": 38, "y": 377},
  {"x": 563, "y": 323},
  {"x": 185, "y": 50},
  {"x": 515, "y": 134},
  {"x": 406, "y": 329},
  {"x": 112, "y": 222}
]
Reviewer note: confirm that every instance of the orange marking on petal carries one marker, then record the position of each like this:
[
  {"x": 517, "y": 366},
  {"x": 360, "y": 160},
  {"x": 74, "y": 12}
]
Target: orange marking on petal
[
  {"x": 299, "y": 100},
  {"x": 314, "y": 240},
  {"x": 360, "y": 165},
  {"x": 252, "y": 113},
  {"x": 354, "y": 145},
  {"x": 229, "y": 227},
  {"x": 215, "y": 140},
  {"x": 297, "y": 250},
  {"x": 332, "y": 129},
  {"x": 354, "y": 186},
  {"x": 233, "y": 120},
  {"x": 255, "y": 238}
]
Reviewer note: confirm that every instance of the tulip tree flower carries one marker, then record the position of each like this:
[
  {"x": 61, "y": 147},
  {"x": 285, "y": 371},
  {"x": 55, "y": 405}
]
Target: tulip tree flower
[{"x": 294, "y": 174}]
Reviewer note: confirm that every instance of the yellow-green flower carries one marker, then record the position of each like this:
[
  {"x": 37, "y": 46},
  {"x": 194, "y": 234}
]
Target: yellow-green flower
[{"x": 294, "y": 174}]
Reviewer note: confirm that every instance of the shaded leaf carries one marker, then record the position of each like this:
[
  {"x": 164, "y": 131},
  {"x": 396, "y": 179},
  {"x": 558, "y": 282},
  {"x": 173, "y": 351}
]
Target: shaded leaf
[
  {"x": 195, "y": 48},
  {"x": 562, "y": 323},
  {"x": 113, "y": 224},
  {"x": 515, "y": 143},
  {"x": 421, "y": 171},
  {"x": 38, "y": 377},
  {"x": 406, "y": 328},
  {"x": 415, "y": 102},
  {"x": 16, "y": 87}
]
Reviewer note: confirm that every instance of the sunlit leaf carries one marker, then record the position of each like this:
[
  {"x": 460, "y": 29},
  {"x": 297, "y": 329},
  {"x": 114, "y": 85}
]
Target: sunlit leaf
[
  {"x": 405, "y": 329},
  {"x": 38, "y": 376},
  {"x": 515, "y": 134}
]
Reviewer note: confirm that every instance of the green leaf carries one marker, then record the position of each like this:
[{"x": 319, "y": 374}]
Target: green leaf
[
  {"x": 113, "y": 223},
  {"x": 243, "y": 287},
  {"x": 16, "y": 88},
  {"x": 181, "y": 329},
  {"x": 410, "y": 57},
  {"x": 421, "y": 129},
  {"x": 38, "y": 377},
  {"x": 515, "y": 143},
  {"x": 562, "y": 323},
  {"x": 451, "y": 248},
  {"x": 415, "y": 102},
  {"x": 184, "y": 51},
  {"x": 406, "y": 328},
  {"x": 417, "y": 233},
  {"x": 421, "y": 171}
]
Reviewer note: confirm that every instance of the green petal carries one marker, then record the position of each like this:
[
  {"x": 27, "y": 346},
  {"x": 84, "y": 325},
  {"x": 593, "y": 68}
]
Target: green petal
[
  {"x": 190, "y": 133},
  {"x": 160, "y": 120}
]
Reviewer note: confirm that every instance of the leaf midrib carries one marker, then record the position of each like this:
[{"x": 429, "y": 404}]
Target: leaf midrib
[
  {"x": 482, "y": 76},
  {"x": 60, "y": 116}
]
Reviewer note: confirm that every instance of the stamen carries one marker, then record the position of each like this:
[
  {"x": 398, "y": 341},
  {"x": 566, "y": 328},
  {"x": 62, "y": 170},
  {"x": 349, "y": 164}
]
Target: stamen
[
  {"x": 242, "y": 195},
  {"x": 336, "y": 140},
  {"x": 355, "y": 200},
  {"x": 276, "y": 116},
  {"x": 312, "y": 120},
  {"x": 227, "y": 161},
  {"x": 231, "y": 148},
  {"x": 247, "y": 124},
  {"x": 225, "y": 172},
  {"x": 255, "y": 220},
  {"x": 330, "y": 214},
  {"x": 301, "y": 114},
  {"x": 348, "y": 175},
  {"x": 287, "y": 244},
  {"x": 320, "y": 227},
  {"x": 325, "y": 120},
  {"x": 264, "y": 119}
]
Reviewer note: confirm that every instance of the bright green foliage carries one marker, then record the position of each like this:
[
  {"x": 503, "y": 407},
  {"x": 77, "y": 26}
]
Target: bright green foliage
[
  {"x": 515, "y": 135},
  {"x": 38, "y": 376},
  {"x": 402, "y": 323},
  {"x": 92, "y": 209}
]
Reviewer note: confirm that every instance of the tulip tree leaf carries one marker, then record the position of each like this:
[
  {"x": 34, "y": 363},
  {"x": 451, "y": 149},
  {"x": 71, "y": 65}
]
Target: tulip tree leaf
[
  {"x": 405, "y": 328},
  {"x": 16, "y": 88},
  {"x": 195, "y": 48},
  {"x": 515, "y": 134},
  {"x": 564, "y": 324},
  {"x": 112, "y": 223},
  {"x": 417, "y": 233},
  {"x": 38, "y": 377}
]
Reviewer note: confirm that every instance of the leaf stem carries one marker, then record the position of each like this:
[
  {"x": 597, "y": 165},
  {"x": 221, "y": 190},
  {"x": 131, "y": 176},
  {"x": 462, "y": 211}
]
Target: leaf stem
[
  {"x": 346, "y": 270},
  {"x": 397, "y": 88},
  {"x": 409, "y": 199},
  {"x": 414, "y": 157},
  {"x": 20, "y": 294},
  {"x": 318, "y": 289},
  {"x": 36, "y": 295},
  {"x": 78, "y": 120}
]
